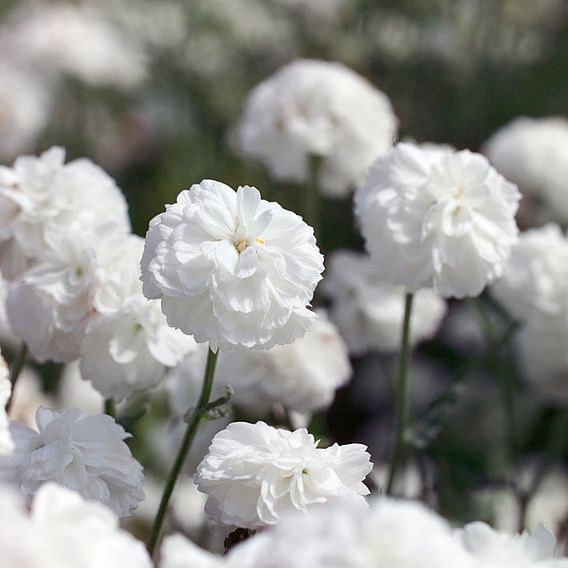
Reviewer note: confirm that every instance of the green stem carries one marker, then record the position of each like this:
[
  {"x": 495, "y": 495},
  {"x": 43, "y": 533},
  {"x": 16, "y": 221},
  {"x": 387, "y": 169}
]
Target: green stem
[
  {"x": 403, "y": 396},
  {"x": 193, "y": 424},
  {"x": 15, "y": 371},
  {"x": 110, "y": 407}
]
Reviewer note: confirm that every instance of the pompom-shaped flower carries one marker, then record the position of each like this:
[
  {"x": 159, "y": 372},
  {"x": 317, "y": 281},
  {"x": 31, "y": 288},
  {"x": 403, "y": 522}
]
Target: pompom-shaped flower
[
  {"x": 317, "y": 108},
  {"x": 128, "y": 344},
  {"x": 437, "y": 219},
  {"x": 6, "y": 444},
  {"x": 255, "y": 473},
  {"x": 42, "y": 198},
  {"x": 85, "y": 453},
  {"x": 64, "y": 531},
  {"x": 231, "y": 268},
  {"x": 533, "y": 153},
  {"x": 369, "y": 312},
  {"x": 303, "y": 376}
]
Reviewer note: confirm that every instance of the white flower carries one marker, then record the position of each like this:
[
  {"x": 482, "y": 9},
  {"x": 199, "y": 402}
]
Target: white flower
[
  {"x": 128, "y": 344},
  {"x": 43, "y": 198},
  {"x": 533, "y": 153},
  {"x": 317, "y": 108},
  {"x": 369, "y": 312},
  {"x": 255, "y": 473},
  {"x": 64, "y": 531},
  {"x": 85, "y": 453},
  {"x": 76, "y": 40},
  {"x": 535, "y": 281},
  {"x": 74, "y": 391},
  {"x": 231, "y": 268},
  {"x": 492, "y": 549},
  {"x": 49, "y": 305},
  {"x": 24, "y": 110},
  {"x": 437, "y": 219},
  {"x": 6, "y": 443},
  {"x": 303, "y": 376}
]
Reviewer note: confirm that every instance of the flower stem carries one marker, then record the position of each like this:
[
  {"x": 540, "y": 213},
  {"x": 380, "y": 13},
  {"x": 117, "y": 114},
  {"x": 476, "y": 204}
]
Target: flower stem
[
  {"x": 110, "y": 407},
  {"x": 15, "y": 371},
  {"x": 403, "y": 396},
  {"x": 193, "y": 424}
]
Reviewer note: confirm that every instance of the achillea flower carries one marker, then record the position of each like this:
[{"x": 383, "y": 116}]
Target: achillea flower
[
  {"x": 369, "y": 312},
  {"x": 231, "y": 268},
  {"x": 255, "y": 473},
  {"x": 317, "y": 108},
  {"x": 85, "y": 453},
  {"x": 63, "y": 530},
  {"x": 6, "y": 444},
  {"x": 437, "y": 219}
]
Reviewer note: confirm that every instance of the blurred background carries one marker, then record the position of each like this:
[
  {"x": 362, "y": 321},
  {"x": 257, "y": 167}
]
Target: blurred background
[{"x": 151, "y": 91}]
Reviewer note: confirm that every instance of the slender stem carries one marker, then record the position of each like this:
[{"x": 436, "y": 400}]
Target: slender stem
[
  {"x": 110, "y": 407},
  {"x": 403, "y": 396},
  {"x": 193, "y": 424},
  {"x": 15, "y": 371}
]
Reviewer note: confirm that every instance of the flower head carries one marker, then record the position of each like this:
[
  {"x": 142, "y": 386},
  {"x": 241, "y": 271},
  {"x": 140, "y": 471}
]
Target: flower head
[
  {"x": 231, "y": 268},
  {"x": 85, "y": 453},
  {"x": 316, "y": 108},
  {"x": 437, "y": 219},
  {"x": 255, "y": 473}
]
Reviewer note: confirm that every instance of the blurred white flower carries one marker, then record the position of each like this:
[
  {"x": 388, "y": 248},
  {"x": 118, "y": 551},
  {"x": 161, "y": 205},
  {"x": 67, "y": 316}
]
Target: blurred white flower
[
  {"x": 85, "y": 453},
  {"x": 317, "y": 108},
  {"x": 24, "y": 110},
  {"x": 76, "y": 40},
  {"x": 128, "y": 344},
  {"x": 255, "y": 473},
  {"x": 535, "y": 281},
  {"x": 49, "y": 305},
  {"x": 303, "y": 376},
  {"x": 533, "y": 153},
  {"x": 42, "y": 198},
  {"x": 188, "y": 506},
  {"x": 64, "y": 531},
  {"x": 75, "y": 392},
  {"x": 492, "y": 549},
  {"x": 6, "y": 443},
  {"x": 437, "y": 219},
  {"x": 231, "y": 268},
  {"x": 369, "y": 312}
]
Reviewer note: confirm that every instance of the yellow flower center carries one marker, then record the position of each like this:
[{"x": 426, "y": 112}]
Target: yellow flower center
[{"x": 243, "y": 244}]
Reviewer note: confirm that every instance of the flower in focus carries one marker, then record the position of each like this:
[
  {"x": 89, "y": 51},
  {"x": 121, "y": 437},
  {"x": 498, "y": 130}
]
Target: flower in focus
[
  {"x": 128, "y": 344},
  {"x": 533, "y": 153},
  {"x": 369, "y": 312},
  {"x": 42, "y": 199},
  {"x": 492, "y": 549},
  {"x": 6, "y": 444},
  {"x": 231, "y": 268},
  {"x": 303, "y": 376},
  {"x": 84, "y": 453},
  {"x": 437, "y": 219},
  {"x": 317, "y": 108},
  {"x": 64, "y": 531},
  {"x": 255, "y": 473}
]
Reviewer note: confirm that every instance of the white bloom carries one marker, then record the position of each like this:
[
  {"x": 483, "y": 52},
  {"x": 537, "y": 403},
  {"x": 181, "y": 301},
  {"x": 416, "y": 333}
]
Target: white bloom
[
  {"x": 85, "y": 453},
  {"x": 533, "y": 153},
  {"x": 255, "y": 473},
  {"x": 535, "y": 281},
  {"x": 128, "y": 344},
  {"x": 492, "y": 549},
  {"x": 76, "y": 40},
  {"x": 188, "y": 506},
  {"x": 24, "y": 110},
  {"x": 6, "y": 443},
  {"x": 49, "y": 305},
  {"x": 311, "y": 108},
  {"x": 369, "y": 312},
  {"x": 42, "y": 198},
  {"x": 434, "y": 218},
  {"x": 303, "y": 376},
  {"x": 231, "y": 268},
  {"x": 74, "y": 392},
  {"x": 64, "y": 531}
]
